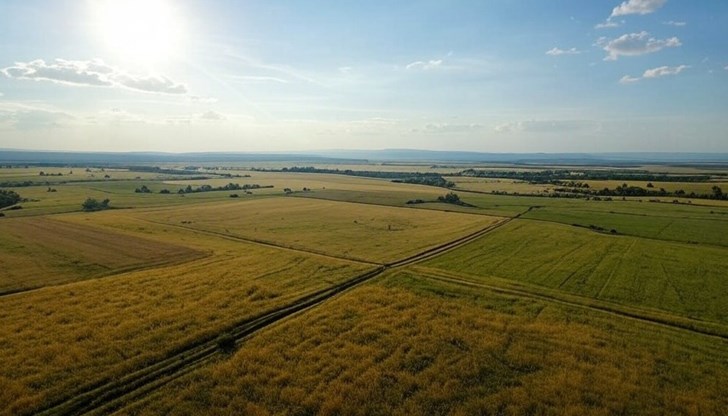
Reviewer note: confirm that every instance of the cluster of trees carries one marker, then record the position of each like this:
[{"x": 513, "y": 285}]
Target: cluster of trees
[
  {"x": 453, "y": 198},
  {"x": 8, "y": 198},
  {"x": 50, "y": 174},
  {"x": 208, "y": 188},
  {"x": 427, "y": 180},
  {"x": 91, "y": 204},
  {"x": 144, "y": 190},
  {"x": 559, "y": 176}
]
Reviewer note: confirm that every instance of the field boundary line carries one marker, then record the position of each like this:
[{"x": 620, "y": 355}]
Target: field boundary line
[
  {"x": 614, "y": 270},
  {"x": 622, "y": 234},
  {"x": 261, "y": 242}
]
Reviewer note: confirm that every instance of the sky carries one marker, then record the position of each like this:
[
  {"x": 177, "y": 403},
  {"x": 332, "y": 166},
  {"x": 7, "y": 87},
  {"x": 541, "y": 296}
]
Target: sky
[{"x": 257, "y": 75}]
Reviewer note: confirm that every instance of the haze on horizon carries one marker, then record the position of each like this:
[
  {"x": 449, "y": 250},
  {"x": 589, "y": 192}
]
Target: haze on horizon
[{"x": 495, "y": 76}]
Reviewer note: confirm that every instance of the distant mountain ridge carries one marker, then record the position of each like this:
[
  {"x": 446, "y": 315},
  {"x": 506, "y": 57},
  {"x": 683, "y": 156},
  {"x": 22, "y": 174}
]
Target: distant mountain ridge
[{"x": 362, "y": 156}]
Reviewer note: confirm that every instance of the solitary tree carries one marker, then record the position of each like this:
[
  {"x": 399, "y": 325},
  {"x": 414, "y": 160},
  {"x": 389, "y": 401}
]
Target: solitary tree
[{"x": 717, "y": 192}]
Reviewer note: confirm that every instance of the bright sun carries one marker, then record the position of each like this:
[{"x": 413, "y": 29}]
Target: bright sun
[{"x": 144, "y": 31}]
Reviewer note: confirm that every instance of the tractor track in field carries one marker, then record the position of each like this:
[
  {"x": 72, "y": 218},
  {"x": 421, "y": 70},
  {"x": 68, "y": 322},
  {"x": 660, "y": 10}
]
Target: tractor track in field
[
  {"x": 588, "y": 304},
  {"x": 110, "y": 395}
]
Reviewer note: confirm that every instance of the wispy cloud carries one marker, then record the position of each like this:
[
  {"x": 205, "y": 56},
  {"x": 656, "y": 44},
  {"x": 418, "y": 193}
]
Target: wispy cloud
[
  {"x": 634, "y": 44},
  {"x": 258, "y": 78},
  {"x": 664, "y": 70},
  {"x": 629, "y": 80},
  {"x": 196, "y": 99},
  {"x": 91, "y": 73},
  {"x": 547, "y": 126},
  {"x": 425, "y": 65},
  {"x": 28, "y": 117},
  {"x": 658, "y": 72},
  {"x": 641, "y": 7},
  {"x": 451, "y": 128},
  {"x": 211, "y": 115},
  {"x": 608, "y": 24},
  {"x": 674, "y": 23},
  {"x": 557, "y": 52}
]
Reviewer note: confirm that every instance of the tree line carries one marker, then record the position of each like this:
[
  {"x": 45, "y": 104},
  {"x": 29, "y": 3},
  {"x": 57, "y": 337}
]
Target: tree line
[
  {"x": 426, "y": 178},
  {"x": 207, "y": 188},
  {"x": 624, "y": 190}
]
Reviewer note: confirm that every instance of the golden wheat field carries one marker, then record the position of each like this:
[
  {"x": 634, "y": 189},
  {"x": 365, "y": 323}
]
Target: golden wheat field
[
  {"x": 340, "y": 229},
  {"x": 406, "y": 345},
  {"x": 60, "y": 339}
]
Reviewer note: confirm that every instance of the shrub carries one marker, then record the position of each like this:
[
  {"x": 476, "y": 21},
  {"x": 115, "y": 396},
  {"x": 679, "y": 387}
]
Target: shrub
[{"x": 91, "y": 204}]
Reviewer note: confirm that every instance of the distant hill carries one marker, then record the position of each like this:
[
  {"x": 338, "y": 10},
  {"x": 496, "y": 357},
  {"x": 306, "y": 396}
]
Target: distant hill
[
  {"x": 404, "y": 155},
  {"x": 362, "y": 156}
]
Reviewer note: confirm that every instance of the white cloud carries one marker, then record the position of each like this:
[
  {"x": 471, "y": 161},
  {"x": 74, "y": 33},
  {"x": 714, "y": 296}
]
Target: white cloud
[
  {"x": 674, "y": 23},
  {"x": 557, "y": 52},
  {"x": 211, "y": 115},
  {"x": 641, "y": 7},
  {"x": 634, "y": 44},
  {"x": 92, "y": 73},
  {"x": 628, "y": 80},
  {"x": 158, "y": 84},
  {"x": 664, "y": 70},
  {"x": 655, "y": 73},
  {"x": 726, "y": 67},
  {"x": 431, "y": 64},
  {"x": 608, "y": 24}
]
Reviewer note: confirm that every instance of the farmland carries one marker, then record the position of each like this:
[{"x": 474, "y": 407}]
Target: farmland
[
  {"x": 71, "y": 252},
  {"x": 404, "y": 345},
  {"x": 370, "y": 303}
]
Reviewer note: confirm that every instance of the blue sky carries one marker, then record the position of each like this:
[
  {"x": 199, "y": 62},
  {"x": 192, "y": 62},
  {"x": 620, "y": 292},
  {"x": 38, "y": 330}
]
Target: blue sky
[{"x": 493, "y": 76}]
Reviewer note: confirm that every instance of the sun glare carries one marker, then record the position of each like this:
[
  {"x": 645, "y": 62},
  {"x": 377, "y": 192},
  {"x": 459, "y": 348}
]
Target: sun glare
[{"x": 144, "y": 31}]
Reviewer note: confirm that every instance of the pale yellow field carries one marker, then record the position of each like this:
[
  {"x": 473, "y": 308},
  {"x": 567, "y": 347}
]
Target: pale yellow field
[{"x": 340, "y": 229}]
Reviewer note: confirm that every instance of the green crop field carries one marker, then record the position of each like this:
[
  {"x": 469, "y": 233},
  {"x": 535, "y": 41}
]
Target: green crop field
[
  {"x": 278, "y": 301},
  {"x": 683, "y": 279}
]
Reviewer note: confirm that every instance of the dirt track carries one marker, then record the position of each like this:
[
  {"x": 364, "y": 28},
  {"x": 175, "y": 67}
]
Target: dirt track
[{"x": 108, "y": 396}]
